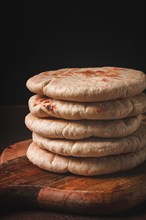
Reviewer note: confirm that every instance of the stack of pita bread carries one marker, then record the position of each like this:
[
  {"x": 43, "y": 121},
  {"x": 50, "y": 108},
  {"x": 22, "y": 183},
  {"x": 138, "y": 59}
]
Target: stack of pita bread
[{"x": 87, "y": 121}]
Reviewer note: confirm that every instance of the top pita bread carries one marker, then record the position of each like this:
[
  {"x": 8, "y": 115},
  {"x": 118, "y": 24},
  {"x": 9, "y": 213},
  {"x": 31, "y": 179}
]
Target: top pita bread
[{"x": 88, "y": 84}]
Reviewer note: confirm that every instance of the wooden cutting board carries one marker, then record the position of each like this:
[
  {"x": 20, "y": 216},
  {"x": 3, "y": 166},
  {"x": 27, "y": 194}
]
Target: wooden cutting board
[{"x": 25, "y": 184}]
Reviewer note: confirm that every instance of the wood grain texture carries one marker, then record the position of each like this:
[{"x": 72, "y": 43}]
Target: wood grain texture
[
  {"x": 26, "y": 184},
  {"x": 14, "y": 151}
]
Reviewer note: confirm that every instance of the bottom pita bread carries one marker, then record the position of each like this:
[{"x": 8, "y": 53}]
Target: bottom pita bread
[{"x": 84, "y": 166}]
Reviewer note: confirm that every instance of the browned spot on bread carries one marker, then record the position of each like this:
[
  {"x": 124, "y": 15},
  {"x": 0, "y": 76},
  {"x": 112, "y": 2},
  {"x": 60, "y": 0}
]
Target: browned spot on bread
[
  {"x": 111, "y": 74},
  {"x": 104, "y": 79},
  {"x": 100, "y": 73},
  {"x": 39, "y": 100},
  {"x": 88, "y": 72},
  {"x": 48, "y": 105}
]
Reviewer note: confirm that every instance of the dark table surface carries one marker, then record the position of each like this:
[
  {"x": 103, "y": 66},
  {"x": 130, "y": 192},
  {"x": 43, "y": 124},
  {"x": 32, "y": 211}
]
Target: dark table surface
[{"x": 13, "y": 130}]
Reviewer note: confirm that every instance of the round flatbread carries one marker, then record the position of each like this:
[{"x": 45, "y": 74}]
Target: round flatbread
[
  {"x": 42, "y": 106},
  {"x": 84, "y": 166},
  {"x": 88, "y": 84},
  {"x": 94, "y": 147},
  {"x": 57, "y": 128}
]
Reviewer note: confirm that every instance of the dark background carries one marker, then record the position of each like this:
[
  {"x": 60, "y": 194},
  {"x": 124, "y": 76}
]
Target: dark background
[{"x": 43, "y": 35}]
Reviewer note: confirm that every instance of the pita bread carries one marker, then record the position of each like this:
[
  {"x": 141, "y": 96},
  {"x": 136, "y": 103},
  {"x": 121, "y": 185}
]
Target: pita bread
[
  {"x": 42, "y": 106},
  {"x": 57, "y": 128},
  {"x": 84, "y": 166},
  {"x": 94, "y": 147},
  {"x": 88, "y": 84}
]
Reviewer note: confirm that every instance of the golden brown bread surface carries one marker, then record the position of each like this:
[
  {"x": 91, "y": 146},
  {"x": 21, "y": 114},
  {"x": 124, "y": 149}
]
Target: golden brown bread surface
[
  {"x": 57, "y": 128},
  {"x": 94, "y": 147},
  {"x": 88, "y": 84},
  {"x": 84, "y": 166},
  {"x": 42, "y": 106}
]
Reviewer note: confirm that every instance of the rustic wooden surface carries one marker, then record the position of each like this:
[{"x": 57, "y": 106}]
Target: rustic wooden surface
[
  {"x": 28, "y": 185},
  {"x": 14, "y": 151}
]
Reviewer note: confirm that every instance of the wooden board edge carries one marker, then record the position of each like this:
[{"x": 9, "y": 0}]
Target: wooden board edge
[{"x": 14, "y": 151}]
